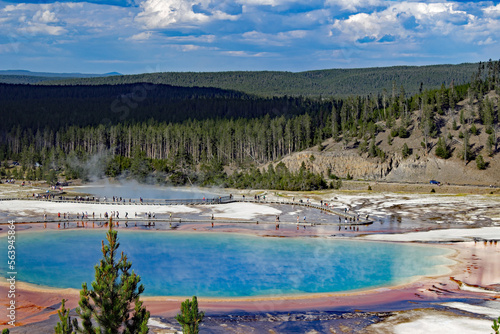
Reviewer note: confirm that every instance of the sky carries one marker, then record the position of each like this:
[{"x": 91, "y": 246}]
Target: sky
[{"x": 144, "y": 36}]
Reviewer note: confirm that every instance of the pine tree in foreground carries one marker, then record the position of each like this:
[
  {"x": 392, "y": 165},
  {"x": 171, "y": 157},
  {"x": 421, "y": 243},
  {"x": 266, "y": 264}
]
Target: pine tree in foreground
[
  {"x": 189, "y": 317},
  {"x": 64, "y": 326},
  {"x": 496, "y": 326},
  {"x": 112, "y": 305}
]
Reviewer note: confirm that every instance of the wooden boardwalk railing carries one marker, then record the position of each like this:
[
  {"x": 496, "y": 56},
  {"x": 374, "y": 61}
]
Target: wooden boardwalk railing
[{"x": 351, "y": 218}]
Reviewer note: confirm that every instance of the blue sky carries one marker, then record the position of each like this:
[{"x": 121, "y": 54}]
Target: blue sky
[{"x": 138, "y": 36}]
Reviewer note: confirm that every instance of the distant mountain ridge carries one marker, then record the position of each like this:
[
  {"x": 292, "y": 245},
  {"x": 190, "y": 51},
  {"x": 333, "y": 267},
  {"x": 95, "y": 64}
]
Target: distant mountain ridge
[
  {"x": 319, "y": 83},
  {"x": 28, "y": 77},
  {"x": 59, "y": 75}
]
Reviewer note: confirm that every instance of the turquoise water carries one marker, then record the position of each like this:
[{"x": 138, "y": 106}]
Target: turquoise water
[{"x": 222, "y": 265}]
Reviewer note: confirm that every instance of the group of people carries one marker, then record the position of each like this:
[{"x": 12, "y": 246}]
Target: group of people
[
  {"x": 485, "y": 242},
  {"x": 277, "y": 221},
  {"x": 86, "y": 199},
  {"x": 112, "y": 214},
  {"x": 99, "y": 224},
  {"x": 354, "y": 228},
  {"x": 148, "y": 215},
  {"x": 121, "y": 199},
  {"x": 349, "y": 219},
  {"x": 43, "y": 196}
]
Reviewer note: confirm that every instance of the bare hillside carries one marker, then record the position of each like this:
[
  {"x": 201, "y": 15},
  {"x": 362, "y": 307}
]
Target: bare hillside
[{"x": 350, "y": 159}]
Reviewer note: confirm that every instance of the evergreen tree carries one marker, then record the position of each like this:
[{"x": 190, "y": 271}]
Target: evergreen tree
[
  {"x": 496, "y": 326},
  {"x": 64, "y": 326},
  {"x": 480, "y": 162},
  {"x": 402, "y": 132},
  {"x": 427, "y": 124},
  {"x": 363, "y": 147},
  {"x": 51, "y": 177},
  {"x": 466, "y": 151},
  {"x": 140, "y": 166},
  {"x": 107, "y": 306},
  {"x": 494, "y": 137},
  {"x": 335, "y": 124},
  {"x": 190, "y": 318},
  {"x": 452, "y": 95},
  {"x": 442, "y": 149},
  {"x": 473, "y": 130},
  {"x": 405, "y": 151},
  {"x": 372, "y": 151},
  {"x": 490, "y": 143}
]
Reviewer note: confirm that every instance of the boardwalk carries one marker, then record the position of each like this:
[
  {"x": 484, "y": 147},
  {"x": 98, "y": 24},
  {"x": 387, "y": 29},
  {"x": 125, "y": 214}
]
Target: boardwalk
[{"x": 349, "y": 218}]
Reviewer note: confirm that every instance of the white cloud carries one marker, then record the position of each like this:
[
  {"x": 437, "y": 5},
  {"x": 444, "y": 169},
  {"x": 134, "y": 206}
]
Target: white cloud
[
  {"x": 34, "y": 19},
  {"x": 157, "y": 14},
  {"x": 45, "y": 16},
  {"x": 42, "y": 29},
  {"x": 429, "y": 13},
  {"x": 220, "y": 15},
  {"x": 278, "y": 39},
  {"x": 161, "y": 14},
  {"x": 481, "y": 31},
  {"x": 142, "y": 36},
  {"x": 273, "y": 3},
  {"x": 493, "y": 11},
  {"x": 75, "y": 20},
  {"x": 193, "y": 39},
  {"x": 487, "y": 41},
  {"x": 353, "y": 5},
  {"x": 440, "y": 18},
  {"x": 368, "y": 25},
  {"x": 192, "y": 47},
  {"x": 246, "y": 54},
  {"x": 181, "y": 43},
  {"x": 12, "y": 8}
]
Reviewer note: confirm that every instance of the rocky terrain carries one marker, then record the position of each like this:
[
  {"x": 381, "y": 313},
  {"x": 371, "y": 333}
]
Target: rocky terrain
[{"x": 347, "y": 160}]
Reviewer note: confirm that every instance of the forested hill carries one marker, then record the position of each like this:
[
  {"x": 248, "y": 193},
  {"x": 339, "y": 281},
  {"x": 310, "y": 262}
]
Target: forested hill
[
  {"x": 182, "y": 134},
  {"x": 55, "y": 107},
  {"x": 326, "y": 83}
]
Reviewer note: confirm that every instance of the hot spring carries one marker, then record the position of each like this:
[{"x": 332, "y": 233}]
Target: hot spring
[
  {"x": 224, "y": 264},
  {"x": 133, "y": 189}
]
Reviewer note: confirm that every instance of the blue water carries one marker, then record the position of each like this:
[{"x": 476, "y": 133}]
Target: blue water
[{"x": 222, "y": 265}]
